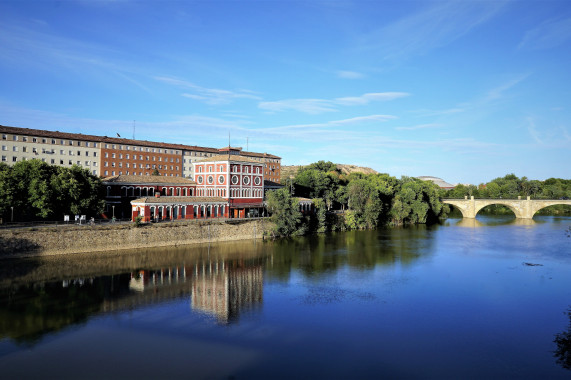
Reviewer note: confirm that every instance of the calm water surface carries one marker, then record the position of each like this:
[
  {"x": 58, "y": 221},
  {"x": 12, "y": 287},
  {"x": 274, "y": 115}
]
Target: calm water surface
[{"x": 479, "y": 299}]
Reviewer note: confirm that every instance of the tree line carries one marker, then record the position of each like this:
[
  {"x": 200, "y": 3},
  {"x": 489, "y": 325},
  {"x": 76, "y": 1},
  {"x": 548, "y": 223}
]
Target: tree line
[
  {"x": 359, "y": 201},
  {"x": 354, "y": 201},
  {"x": 510, "y": 187},
  {"x": 35, "y": 190}
]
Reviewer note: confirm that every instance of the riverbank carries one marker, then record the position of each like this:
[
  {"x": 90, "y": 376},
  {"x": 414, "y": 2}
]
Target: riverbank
[{"x": 32, "y": 242}]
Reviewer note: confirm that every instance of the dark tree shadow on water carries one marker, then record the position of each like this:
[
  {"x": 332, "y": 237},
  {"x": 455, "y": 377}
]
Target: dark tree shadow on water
[
  {"x": 563, "y": 341},
  {"x": 14, "y": 245}
]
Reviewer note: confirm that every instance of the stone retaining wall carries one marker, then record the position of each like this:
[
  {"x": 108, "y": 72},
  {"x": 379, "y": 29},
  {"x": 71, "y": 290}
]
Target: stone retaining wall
[{"x": 77, "y": 239}]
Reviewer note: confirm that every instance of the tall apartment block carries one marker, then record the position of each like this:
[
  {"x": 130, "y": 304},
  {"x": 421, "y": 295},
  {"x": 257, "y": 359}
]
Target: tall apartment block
[{"x": 109, "y": 156}]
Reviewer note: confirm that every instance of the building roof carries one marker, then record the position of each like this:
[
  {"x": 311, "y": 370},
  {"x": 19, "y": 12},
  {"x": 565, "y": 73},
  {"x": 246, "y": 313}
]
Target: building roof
[
  {"x": 241, "y": 152},
  {"x": 51, "y": 134},
  {"x": 268, "y": 183},
  {"x": 263, "y": 155},
  {"x": 179, "y": 200},
  {"x": 118, "y": 140},
  {"x": 229, "y": 157},
  {"x": 438, "y": 181},
  {"x": 147, "y": 180}
]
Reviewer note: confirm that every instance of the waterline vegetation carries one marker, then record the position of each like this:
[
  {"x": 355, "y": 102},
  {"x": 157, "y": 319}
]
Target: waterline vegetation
[
  {"x": 364, "y": 201},
  {"x": 354, "y": 201}
]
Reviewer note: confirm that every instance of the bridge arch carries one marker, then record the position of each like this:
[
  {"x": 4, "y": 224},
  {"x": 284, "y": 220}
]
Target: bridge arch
[
  {"x": 522, "y": 208},
  {"x": 541, "y": 206},
  {"x": 517, "y": 211}
]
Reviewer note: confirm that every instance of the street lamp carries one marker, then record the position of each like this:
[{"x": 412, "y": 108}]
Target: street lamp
[
  {"x": 12, "y": 218},
  {"x": 113, "y": 212}
]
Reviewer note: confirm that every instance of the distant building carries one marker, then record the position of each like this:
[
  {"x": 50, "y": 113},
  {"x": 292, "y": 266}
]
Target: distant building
[{"x": 438, "y": 181}]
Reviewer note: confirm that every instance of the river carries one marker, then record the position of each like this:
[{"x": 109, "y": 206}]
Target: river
[{"x": 465, "y": 299}]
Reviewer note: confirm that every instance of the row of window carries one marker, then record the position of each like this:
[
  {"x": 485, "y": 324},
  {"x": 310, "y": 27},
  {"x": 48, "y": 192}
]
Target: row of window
[
  {"x": 142, "y": 149},
  {"x": 150, "y": 191},
  {"x": 211, "y": 193},
  {"x": 234, "y": 193},
  {"x": 48, "y": 141},
  {"x": 147, "y": 158},
  {"x": 47, "y": 151},
  {"x": 113, "y": 172},
  {"x": 169, "y": 212},
  {"x": 234, "y": 179},
  {"x": 53, "y": 161},
  {"x": 198, "y": 154},
  {"x": 141, "y": 166},
  {"x": 221, "y": 168}
]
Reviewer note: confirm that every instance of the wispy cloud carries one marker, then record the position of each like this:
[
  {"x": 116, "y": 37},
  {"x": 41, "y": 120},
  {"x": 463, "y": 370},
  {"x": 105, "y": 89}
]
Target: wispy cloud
[
  {"x": 349, "y": 74},
  {"x": 38, "y": 47},
  {"x": 317, "y": 106},
  {"x": 371, "y": 97},
  {"x": 498, "y": 92},
  {"x": 479, "y": 104},
  {"x": 309, "y": 128},
  {"x": 549, "y": 34},
  {"x": 449, "y": 111},
  {"x": 547, "y": 134},
  {"x": 310, "y": 106},
  {"x": 533, "y": 131},
  {"x": 208, "y": 95},
  {"x": 460, "y": 145},
  {"x": 419, "y": 126},
  {"x": 434, "y": 26}
]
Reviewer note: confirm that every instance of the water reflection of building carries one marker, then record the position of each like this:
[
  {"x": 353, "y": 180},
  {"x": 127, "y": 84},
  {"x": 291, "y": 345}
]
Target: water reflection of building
[
  {"x": 225, "y": 288},
  {"x": 145, "y": 279},
  {"x": 220, "y": 288}
]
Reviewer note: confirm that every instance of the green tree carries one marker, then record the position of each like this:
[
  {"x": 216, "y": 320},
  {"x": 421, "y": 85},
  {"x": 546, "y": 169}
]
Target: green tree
[
  {"x": 321, "y": 215},
  {"x": 33, "y": 195},
  {"x": 341, "y": 196},
  {"x": 416, "y": 202},
  {"x": 364, "y": 200},
  {"x": 77, "y": 192},
  {"x": 38, "y": 190},
  {"x": 285, "y": 213},
  {"x": 493, "y": 190}
]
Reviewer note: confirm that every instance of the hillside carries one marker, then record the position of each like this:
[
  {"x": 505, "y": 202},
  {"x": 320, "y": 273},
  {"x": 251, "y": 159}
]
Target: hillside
[{"x": 288, "y": 171}]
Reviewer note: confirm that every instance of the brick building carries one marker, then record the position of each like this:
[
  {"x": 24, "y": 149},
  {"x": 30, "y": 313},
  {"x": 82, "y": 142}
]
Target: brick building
[
  {"x": 225, "y": 186},
  {"x": 111, "y": 156},
  {"x": 122, "y": 189}
]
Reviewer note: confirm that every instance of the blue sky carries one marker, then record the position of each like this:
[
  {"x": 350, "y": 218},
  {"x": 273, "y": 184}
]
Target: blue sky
[{"x": 462, "y": 90}]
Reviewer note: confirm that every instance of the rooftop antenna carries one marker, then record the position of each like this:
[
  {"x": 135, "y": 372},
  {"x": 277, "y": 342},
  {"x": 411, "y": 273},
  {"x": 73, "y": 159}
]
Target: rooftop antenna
[
  {"x": 228, "y": 139},
  {"x": 133, "y": 129},
  {"x": 247, "y": 150}
]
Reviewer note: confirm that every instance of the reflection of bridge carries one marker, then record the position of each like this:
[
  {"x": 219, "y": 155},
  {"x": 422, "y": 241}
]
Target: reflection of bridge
[{"x": 522, "y": 208}]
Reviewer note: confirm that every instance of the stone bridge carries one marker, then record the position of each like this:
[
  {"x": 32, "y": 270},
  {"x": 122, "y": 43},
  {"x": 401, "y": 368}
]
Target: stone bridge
[{"x": 522, "y": 208}]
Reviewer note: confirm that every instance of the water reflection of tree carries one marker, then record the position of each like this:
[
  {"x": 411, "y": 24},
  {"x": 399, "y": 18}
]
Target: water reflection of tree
[
  {"x": 30, "y": 311},
  {"x": 563, "y": 341},
  {"x": 364, "y": 250}
]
